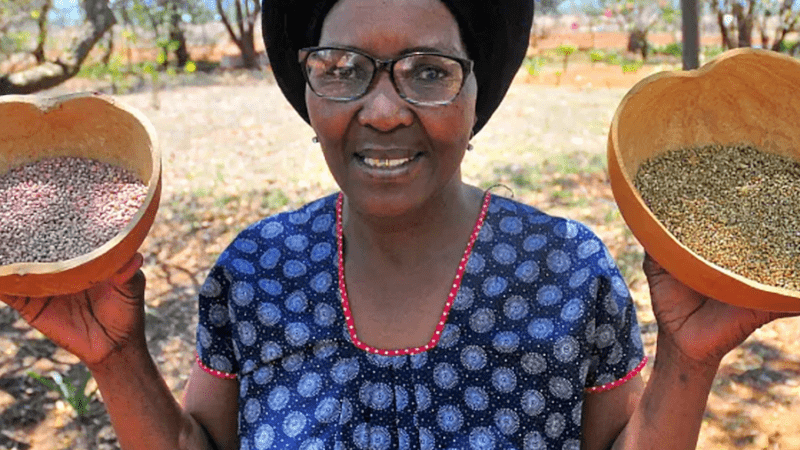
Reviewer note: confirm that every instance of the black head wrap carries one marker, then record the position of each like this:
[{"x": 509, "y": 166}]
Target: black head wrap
[{"x": 495, "y": 32}]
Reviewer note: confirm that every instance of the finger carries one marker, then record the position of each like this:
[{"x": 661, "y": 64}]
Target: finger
[
  {"x": 128, "y": 270},
  {"x": 29, "y": 308},
  {"x": 651, "y": 266},
  {"x": 15, "y": 302}
]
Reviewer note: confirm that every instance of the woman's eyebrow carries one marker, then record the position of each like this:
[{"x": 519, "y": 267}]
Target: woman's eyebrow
[{"x": 446, "y": 50}]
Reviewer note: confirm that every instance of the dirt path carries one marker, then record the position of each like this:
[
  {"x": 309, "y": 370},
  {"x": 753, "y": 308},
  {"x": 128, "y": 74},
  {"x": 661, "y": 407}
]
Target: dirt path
[{"x": 234, "y": 151}]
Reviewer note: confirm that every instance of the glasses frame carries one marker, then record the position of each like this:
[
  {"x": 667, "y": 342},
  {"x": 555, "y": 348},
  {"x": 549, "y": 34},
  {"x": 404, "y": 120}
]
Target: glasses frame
[{"x": 388, "y": 66}]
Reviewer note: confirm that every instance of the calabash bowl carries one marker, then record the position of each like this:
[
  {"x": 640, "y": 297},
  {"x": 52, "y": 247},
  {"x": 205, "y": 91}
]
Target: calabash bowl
[
  {"x": 744, "y": 96},
  {"x": 79, "y": 125}
]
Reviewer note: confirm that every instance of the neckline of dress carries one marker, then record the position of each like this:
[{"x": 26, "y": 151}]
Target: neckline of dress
[{"x": 351, "y": 326}]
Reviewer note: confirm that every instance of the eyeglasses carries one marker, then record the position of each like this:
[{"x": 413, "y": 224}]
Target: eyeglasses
[{"x": 423, "y": 78}]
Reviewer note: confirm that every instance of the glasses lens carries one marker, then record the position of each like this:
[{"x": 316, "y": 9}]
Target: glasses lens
[
  {"x": 428, "y": 78},
  {"x": 338, "y": 74}
]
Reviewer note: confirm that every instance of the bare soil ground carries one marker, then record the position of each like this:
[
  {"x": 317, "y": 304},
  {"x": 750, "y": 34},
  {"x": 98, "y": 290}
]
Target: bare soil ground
[{"x": 234, "y": 151}]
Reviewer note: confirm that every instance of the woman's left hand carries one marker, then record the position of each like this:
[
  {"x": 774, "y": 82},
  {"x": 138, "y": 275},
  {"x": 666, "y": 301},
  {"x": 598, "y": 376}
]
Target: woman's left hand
[{"x": 702, "y": 329}]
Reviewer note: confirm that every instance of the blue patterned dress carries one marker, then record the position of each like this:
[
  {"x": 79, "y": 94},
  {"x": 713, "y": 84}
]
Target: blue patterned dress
[{"x": 540, "y": 319}]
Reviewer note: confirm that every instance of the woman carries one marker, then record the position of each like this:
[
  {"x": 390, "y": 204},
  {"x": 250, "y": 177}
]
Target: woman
[{"x": 412, "y": 310}]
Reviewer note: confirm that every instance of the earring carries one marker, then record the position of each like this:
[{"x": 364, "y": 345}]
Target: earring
[
  {"x": 315, "y": 140},
  {"x": 469, "y": 147}
]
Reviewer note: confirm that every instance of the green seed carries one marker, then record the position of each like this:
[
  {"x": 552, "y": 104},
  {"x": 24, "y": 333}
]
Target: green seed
[{"x": 735, "y": 206}]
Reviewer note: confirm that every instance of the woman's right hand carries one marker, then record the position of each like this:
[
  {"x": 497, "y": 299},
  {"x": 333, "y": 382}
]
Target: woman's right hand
[{"x": 96, "y": 322}]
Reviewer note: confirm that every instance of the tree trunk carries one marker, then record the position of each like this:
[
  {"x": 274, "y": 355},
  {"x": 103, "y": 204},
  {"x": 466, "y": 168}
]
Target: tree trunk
[
  {"x": 745, "y": 33},
  {"x": 780, "y": 34},
  {"x": 762, "y": 30},
  {"x": 52, "y": 73},
  {"x": 785, "y": 27},
  {"x": 727, "y": 40},
  {"x": 248, "y": 48},
  {"x": 176, "y": 35},
  {"x": 637, "y": 42},
  {"x": 106, "y": 58},
  {"x": 245, "y": 21},
  {"x": 38, "y": 53},
  {"x": 744, "y": 25}
]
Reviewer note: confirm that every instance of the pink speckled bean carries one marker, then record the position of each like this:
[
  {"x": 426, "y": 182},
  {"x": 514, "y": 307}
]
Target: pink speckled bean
[{"x": 60, "y": 208}]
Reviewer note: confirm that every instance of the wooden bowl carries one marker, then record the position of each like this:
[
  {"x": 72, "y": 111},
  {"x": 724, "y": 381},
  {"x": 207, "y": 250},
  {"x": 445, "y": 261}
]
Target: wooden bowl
[
  {"x": 79, "y": 125},
  {"x": 744, "y": 96}
]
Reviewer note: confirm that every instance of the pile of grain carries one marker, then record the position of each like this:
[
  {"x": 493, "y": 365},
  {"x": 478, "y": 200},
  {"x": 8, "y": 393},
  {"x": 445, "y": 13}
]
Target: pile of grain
[
  {"x": 735, "y": 206},
  {"x": 60, "y": 208}
]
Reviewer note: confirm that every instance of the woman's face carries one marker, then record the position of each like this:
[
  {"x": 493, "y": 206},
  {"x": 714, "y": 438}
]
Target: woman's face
[{"x": 387, "y": 155}]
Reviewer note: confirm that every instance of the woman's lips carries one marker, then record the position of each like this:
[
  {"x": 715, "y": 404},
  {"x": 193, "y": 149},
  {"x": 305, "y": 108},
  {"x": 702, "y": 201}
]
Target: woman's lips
[
  {"x": 385, "y": 163},
  {"x": 387, "y": 160}
]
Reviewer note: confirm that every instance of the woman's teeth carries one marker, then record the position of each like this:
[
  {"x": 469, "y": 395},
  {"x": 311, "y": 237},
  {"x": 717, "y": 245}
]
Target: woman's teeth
[{"x": 385, "y": 163}]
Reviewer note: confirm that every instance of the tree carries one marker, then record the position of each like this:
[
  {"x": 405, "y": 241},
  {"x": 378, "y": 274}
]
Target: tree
[
  {"x": 636, "y": 17},
  {"x": 164, "y": 18},
  {"x": 547, "y": 6},
  {"x": 46, "y": 74},
  {"x": 737, "y": 20},
  {"x": 41, "y": 22},
  {"x": 15, "y": 15},
  {"x": 244, "y": 35},
  {"x": 788, "y": 17}
]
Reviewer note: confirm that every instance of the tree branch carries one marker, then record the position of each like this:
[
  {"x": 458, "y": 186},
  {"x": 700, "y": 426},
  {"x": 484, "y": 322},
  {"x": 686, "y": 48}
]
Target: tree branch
[
  {"x": 49, "y": 74},
  {"x": 38, "y": 53},
  {"x": 239, "y": 18},
  {"x": 225, "y": 22},
  {"x": 254, "y": 16}
]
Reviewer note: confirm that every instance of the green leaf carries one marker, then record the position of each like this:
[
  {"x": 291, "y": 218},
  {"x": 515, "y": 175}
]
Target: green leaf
[
  {"x": 566, "y": 49},
  {"x": 44, "y": 381}
]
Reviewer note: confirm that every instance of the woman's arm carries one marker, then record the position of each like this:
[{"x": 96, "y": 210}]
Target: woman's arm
[
  {"x": 694, "y": 334},
  {"x": 670, "y": 411},
  {"x": 214, "y": 403},
  {"x": 606, "y": 413},
  {"x": 667, "y": 413},
  {"x": 146, "y": 415},
  {"x": 104, "y": 327}
]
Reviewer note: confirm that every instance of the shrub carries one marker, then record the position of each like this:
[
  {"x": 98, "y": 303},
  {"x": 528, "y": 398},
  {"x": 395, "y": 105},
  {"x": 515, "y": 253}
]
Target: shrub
[
  {"x": 712, "y": 51},
  {"x": 533, "y": 65},
  {"x": 565, "y": 50},
  {"x": 674, "y": 49},
  {"x": 786, "y": 46}
]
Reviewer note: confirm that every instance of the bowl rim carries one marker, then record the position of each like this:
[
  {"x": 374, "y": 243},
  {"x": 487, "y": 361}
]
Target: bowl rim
[
  {"x": 782, "y": 299},
  {"x": 46, "y": 104}
]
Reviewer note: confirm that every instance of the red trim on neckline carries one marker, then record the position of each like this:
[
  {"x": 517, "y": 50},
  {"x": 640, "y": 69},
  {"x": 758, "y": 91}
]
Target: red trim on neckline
[{"x": 351, "y": 326}]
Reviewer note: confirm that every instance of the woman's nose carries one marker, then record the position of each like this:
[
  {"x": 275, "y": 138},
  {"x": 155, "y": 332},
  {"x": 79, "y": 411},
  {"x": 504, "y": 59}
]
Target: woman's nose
[{"x": 383, "y": 109}]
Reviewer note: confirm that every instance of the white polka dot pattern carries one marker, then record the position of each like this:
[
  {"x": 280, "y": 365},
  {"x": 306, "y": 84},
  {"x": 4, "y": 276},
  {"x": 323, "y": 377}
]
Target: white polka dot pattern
[{"x": 541, "y": 317}]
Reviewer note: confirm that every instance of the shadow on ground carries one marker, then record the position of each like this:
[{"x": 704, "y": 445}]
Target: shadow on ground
[{"x": 755, "y": 389}]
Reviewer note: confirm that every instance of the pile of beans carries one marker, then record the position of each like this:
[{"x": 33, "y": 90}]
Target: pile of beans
[
  {"x": 736, "y": 206},
  {"x": 60, "y": 208}
]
